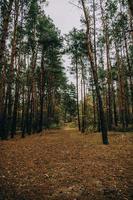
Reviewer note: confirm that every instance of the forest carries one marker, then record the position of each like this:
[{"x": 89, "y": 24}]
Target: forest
[{"x": 45, "y": 102}]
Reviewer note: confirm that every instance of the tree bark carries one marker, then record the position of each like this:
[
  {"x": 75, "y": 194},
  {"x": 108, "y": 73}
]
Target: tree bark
[
  {"x": 109, "y": 79},
  {"x": 4, "y": 32},
  {"x": 13, "y": 55},
  {"x": 130, "y": 2},
  {"x": 95, "y": 76},
  {"x": 41, "y": 91},
  {"x": 77, "y": 88}
]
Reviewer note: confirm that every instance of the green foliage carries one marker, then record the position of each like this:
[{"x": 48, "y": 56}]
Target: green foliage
[
  {"x": 69, "y": 102},
  {"x": 76, "y": 42}
]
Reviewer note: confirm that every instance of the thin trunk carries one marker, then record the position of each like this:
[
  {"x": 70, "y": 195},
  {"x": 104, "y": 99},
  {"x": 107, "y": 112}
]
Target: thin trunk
[
  {"x": 23, "y": 113},
  {"x": 114, "y": 107},
  {"x": 121, "y": 96},
  {"x": 4, "y": 34},
  {"x": 16, "y": 102},
  {"x": 41, "y": 91},
  {"x": 95, "y": 76},
  {"x": 77, "y": 88},
  {"x": 3, "y": 104},
  {"x": 109, "y": 79},
  {"x": 130, "y": 2},
  {"x": 13, "y": 55},
  {"x": 130, "y": 72},
  {"x": 83, "y": 97},
  {"x": 3, "y": 127},
  {"x": 95, "y": 60},
  {"x": 28, "y": 102},
  {"x": 33, "y": 92},
  {"x": 84, "y": 86},
  {"x": 82, "y": 108},
  {"x": 94, "y": 107}
]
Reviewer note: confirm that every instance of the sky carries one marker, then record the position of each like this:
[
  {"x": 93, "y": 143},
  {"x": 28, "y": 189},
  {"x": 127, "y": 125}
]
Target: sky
[{"x": 65, "y": 15}]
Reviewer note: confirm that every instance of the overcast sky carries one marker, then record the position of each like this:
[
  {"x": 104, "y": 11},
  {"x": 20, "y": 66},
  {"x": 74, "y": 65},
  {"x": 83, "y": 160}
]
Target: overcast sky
[{"x": 64, "y": 15}]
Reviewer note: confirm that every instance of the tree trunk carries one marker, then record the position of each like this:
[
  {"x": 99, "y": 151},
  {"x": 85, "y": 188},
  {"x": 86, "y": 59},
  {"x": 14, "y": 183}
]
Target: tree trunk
[
  {"x": 16, "y": 102},
  {"x": 114, "y": 107},
  {"x": 121, "y": 95},
  {"x": 109, "y": 79},
  {"x": 4, "y": 32},
  {"x": 95, "y": 76},
  {"x": 41, "y": 91},
  {"x": 83, "y": 95},
  {"x": 94, "y": 107},
  {"x": 33, "y": 91},
  {"x": 130, "y": 2},
  {"x": 130, "y": 72},
  {"x": 23, "y": 112},
  {"x": 13, "y": 55},
  {"x": 77, "y": 88}
]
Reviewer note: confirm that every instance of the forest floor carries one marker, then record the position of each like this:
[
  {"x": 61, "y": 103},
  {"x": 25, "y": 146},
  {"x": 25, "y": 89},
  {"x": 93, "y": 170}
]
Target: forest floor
[{"x": 65, "y": 165}]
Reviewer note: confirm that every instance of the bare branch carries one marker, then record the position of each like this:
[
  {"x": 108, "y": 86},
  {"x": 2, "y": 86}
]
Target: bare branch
[{"x": 75, "y": 5}]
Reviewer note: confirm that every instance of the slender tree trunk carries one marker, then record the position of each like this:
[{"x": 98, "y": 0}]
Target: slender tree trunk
[
  {"x": 33, "y": 91},
  {"x": 95, "y": 60},
  {"x": 130, "y": 2},
  {"x": 3, "y": 127},
  {"x": 131, "y": 24},
  {"x": 2, "y": 102},
  {"x": 4, "y": 34},
  {"x": 16, "y": 102},
  {"x": 95, "y": 76},
  {"x": 23, "y": 112},
  {"x": 41, "y": 91},
  {"x": 28, "y": 106},
  {"x": 114, "y": 107},
  {"x": 83, "y": 95},
  {"x": 13, "y": 55},
  {"x": 121, "y": 95},
  {"x": 82, "y": 108},
  {"x": 77, "y": 88},
  {"x": 109, "y": 92},
  {"x": 130, "y": 72},
  {"x": 15, "y": 109},
  {"x": 84, "y": 86},
  {"x": 3, "y": 105},
  {"x": 94, "y": 107}
]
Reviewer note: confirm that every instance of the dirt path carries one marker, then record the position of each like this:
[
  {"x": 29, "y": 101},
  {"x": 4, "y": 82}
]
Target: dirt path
[{"x": 65, "y": 165}]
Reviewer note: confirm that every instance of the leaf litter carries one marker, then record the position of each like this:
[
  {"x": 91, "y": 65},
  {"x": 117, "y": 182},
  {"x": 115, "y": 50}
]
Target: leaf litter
[{"x": 66, "y": 165}]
